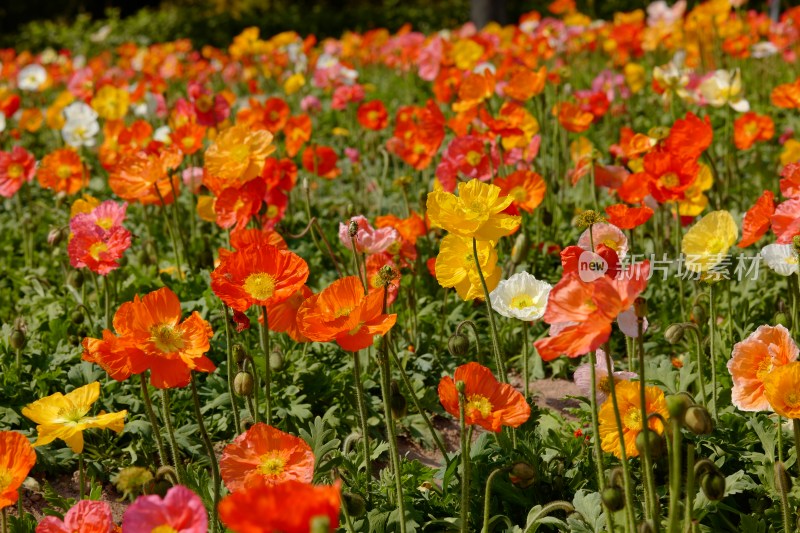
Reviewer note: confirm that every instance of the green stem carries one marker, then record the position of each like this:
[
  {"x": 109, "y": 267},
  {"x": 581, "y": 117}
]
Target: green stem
[
  {"x": 465, "y": 466},
  {"x": 796, "y": 429},
  {"x": 647, "y": 468},
  {"x": 678, "y": 238},
  {"x": 623, "y": 458},
  {"x": 549, "y": 508},
  {"x": 171, "y": 232},
  {"x": 151, "y": 416},
  {"x": 501, "y": 368},
  {"x": 701, "y": 377},
  {"x": 237, "y": 423},
  {"x": 385, "y": 370},
  {"x": 598, "y": 450},
  {"x": 5, "y": 520},
  {"x": 689, "y": 505},
  {"x": 173, "y": 444},
  {"x": 525, "y": 373},
  {"x": 362, "y": 417},
  {"x": 487, "y": 496},
  {"x": 267, "y": 369},
  {"x": 675, "y": 477},
  {"x": 107, "y": 300},
  {"x": 210, "y": 451},
  {"x": 81, "y": 477},
  {"x": 712, "y": 325}
]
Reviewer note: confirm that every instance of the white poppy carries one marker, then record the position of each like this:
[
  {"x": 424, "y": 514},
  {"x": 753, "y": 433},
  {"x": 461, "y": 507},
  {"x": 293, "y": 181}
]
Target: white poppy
[
  {"x": 2, "y": 122},
  {"x": 781, "y": 258},
  {"x": 725, "y": 87},
  {"x": 81, "y": 126},
  {"x": 521, "y": 296},
  {"x": 31, "y": 77}
]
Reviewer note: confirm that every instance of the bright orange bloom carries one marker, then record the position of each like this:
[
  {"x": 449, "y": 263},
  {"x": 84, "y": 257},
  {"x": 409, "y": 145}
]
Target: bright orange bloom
[
  {"x": 489, "y": 403},
  {"x": 475, "y": 88},
  {"x": 144, "y": 176},
  {"x": 689, "y": 137},
  {"x": 263, "y": 509},
  {"x": 630, "y": 410},
  {"x": 344, "y": 313},
  {"x": 625, "y": 217},
  {"x": 189, "y": 137},
  {"x": 265, "y": 455},
  {"x": 787, "y": 95},
  {"x": 751, "y": 127},
  {"x": 525, "y": 84},
  {"x": 243, "y": 238},
  {"x": 418, "y": 133},
  {"x": 258, "y": 275},
  {"x": 757, "y": 220},
  {"x": 782, "y": 390},
  {"x": 62, "y": 171},
  {"x": 16, "y": 460},
  {"x": 372, "y": 115},
  {"x": 321, "y": 160},
  {"x": 237, "y": 156},
  {"x": 237, "y": 205},
  {"x": 283, "y": 315},
  {"x": 526, "y": 187},
  {"x": 151, "y": 335},
  {"x": 275, "y": 114},
  {"x": 297, "y": 132},
  {"x": 410, "y": 229},
  {"x": 753, "y": 360},
  {"x": 572, "y": 118}
]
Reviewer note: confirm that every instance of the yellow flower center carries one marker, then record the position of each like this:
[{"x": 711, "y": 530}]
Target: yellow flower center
[
  {"x": 792, "y": 399},
  {"x": 71, "y": 415},
  {"x": 167, "y": 338},
  {"x": 272, "y": 464},
  {"x": 603, "y": 384},
  {"x": 670, "y": 179},
  {"x": 260, "y": 286},
  {"x": 611, "y": 243},
  {"x": 764, "y": 368},
  {"x": 633, "y": 419},
  {"x": 96, "y": 249},
  {"x": 477, "y": 208},
  {"x": 272, "y": 211},
  {"x": 473, "y": 158},
  {"x": 240, "y": 153},
  {"x": 105, "y": 223},
  {"x": 187, "y": 142},
  {"x": 343, "y": 311},
  {"x": 15, "y": 171},
  {"x": 5, "y": 479},
  {"x": 63, "y": 172},
  {"x": 518, "y": 193},
  {"x": 480, "y": 403},
  {"x": 521, "y": 301},
  {"x": 164, "y": 529},
  {"x": 356, "y": 329}
]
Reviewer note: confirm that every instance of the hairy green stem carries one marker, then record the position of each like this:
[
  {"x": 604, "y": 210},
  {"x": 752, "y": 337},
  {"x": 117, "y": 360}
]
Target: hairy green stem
[
  {"x": 237, "y": 423},
  {"x": 465, "y": 464},
  {"x": 211, "y": 455},
  {"x": 173, "y": 444},
  {"x": 675, "y": 477},
  {"x": 151, "y": 416},
  {"x": 385, "y": 370},
  {"x": 487, "y": 496},
  {"x": 362, "y": 417},
  {"x": 647, "y": 465},
  {"x": 501, "y": 367},
  {"x": 267, "y": 368}
]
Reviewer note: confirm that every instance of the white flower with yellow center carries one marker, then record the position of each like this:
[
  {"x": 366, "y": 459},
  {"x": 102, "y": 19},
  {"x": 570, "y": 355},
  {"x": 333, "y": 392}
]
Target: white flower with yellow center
[
  {"x": 31, "y": 77},
  {"x": 725, "y": 87},
  {"x": 521, "y": 296},
  {"x": 781, "y": 258}
]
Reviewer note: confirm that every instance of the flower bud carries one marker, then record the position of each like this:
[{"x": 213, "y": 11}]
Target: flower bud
[
  {"x": 76, "y": 317},
  {"x": 355, "y": 504},
  {"x": 75, "y": 279},
  {"x": 678, "y": 404},
  {"x": 17, "y": 339},
  {"x": 640, "y": 307},
  {"x": 458, "y": 345},
  {"x": 655, "y": 443},
  {"x": 56, "y": 235},
  {"x": 461, "y": 386},
  {"x": 674, "y": 333},
  {"x": 613, "y": 498},
  {"x": 699, "y": 314},
  {"x": 781, "y": 319},
  {"x": 589, "y": 218},
  {"x": 133, "y": 481},
  {"x": 397, "y": 401},
  {"x": 713, "y": 485},
  {"x": 247, "y": 422},
  {"x": 520, "y": 250},
  {"x": 386, "y": 275},
  {"x": 698, "y": 421},
  {"x": 243, "y": 384},
  {"x": 352, "y": 228},
  {"x": 522, "y": 474},
  {"x": 239, "y": 353},
  {"x": 275, "y": 360}
]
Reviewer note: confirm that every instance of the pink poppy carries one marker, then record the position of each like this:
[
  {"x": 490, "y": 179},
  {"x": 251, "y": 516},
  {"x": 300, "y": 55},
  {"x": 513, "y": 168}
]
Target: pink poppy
[
  {"x": 786, "y": 220},
  {"x": 583, "y": 377},
  {"x": 85, "y": 516},
  {"x": 368, "y": 239},
  {"x": 181, "y": 511},
  {"x": 607, "y": 234}
]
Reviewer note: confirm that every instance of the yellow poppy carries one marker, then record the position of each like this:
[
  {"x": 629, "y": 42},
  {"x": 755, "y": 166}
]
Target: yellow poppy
[
  {"x": 477, "y": 211},
  {"x": 695, "y": 200},
  {"x": 707, "y": 242},
  {"x": 111, "y": 103},
  {"x": 455, "y": 266},
  {"x": 65, "y": 417},
  {"x": 782, "y": 390}
]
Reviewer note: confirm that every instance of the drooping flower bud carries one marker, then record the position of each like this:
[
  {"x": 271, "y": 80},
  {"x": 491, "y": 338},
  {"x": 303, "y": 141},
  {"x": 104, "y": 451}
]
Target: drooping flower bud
[
  {"x": 613, "y": 498},
  {"x": 522, "y": 474},
  {"x": 243, "y": 384},
  {"x": 698, "y": 421},
  {"x": 458, "y": 345}
]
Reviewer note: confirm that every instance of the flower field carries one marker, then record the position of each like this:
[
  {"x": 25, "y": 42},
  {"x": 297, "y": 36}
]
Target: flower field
[{"x": 536, "y": 277}]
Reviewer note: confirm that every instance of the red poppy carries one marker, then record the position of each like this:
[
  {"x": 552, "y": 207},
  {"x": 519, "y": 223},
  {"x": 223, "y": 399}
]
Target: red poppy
[
  {"x": 321, "y": 160},
  {"x": 625, "y": 217},
  {"x": 757, "y": 219},
  {"x": 372, "y": 115},
  {"x": 16, "y": 167},
  {"x": 236, "y": 206},
  {"x": 418, "y": 133},
  {"x": 297, "y": 132}
]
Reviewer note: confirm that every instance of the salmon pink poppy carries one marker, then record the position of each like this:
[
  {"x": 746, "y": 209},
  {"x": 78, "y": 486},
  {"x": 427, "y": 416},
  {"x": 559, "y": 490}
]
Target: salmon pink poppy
[
  {"x": 790, "y": 180},
  {"x": 180, "y": 510},
  {"x": 265, "y": 455},
  {"x": 786, "y": 220},
  {"x": 97, "y": 249},
  {"x": 489, "y": 403},
  {"x": 86, "y": 516},
  {"x": 367, "y": 239}
]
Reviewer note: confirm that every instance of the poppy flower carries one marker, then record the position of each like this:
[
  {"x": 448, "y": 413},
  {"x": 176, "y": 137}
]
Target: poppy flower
[
  {"x": 66, "y": 417},
  {"x": 572, "y": 118},
  {"x": 755, "y": 358},
  {"x": 455, "y": 266},
  {"x": 786, "y": 220},
  {"x": 264, "y": 454},
  {"x": 367, "y": 239},
  {"x": 750, "y": 128},
  {"x": 625, "y": 217},
  {"x": 574, "y": 258},
  {"x": 667, "y": 175},
  {"x": 790, "y": 180},
  {"x": 97, "y": 249},
  {"x": 689, "y": 137},
  {"x": 345, "y": 313},
  {"x": 606, "y": 234},
  {"x": 62, "y": 171},
  {"x": 263, "y": 508},
  {"x": 525, "y": 187},
  {"x": 86, "y": 516},
  {"x": 525, "y": 83},
  {"x": 244, "y": 238},
  {"x": 283, "y": 315},
  {"x": 321, "y": 161},
  {"x": 418, "y": 133},
  {"x": 630, "y": 411},
  {"x": 258, "y": 276},
  {"x": 146, "y": 176},
  {"x": 17, "y": 457},
  {"x": 111, "y": 103},
  {"x": 180, "y": 510},
  {"x": 477, "y": 211},
  {"x": 603, "y": 376},
  {"x": 410, "y": 228},
  {"x": 16, "y": 167},
  {"x": 521, "y": 296},
  {"x": 466, "y": 156},
  {"x": 781, "y": 258},
  {"x": 237, "y": 155},
  {"x": 757, "y": 219},
  {"x": 189, "y": 137},
  {"x": 151, "y": 335},
  {"x": 781, "y": 388},
  {"x": 275, "y": 114},
  {"x": 474, "y": 90},
  {"x": 707, "y": 242},
  {"x": 297, "y": 132},
  {"x": 489, "y": 403},
  {"x": 786, "y": 95},
  {"x": 724, "y": 87},
  {"x": 372, "y": 115},
  {"x": 235, "y": 206}
]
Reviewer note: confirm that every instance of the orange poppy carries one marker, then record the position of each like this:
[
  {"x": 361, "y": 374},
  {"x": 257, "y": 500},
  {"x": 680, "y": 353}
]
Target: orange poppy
[
  {"x": 572, "y": 118},
  {"x": 526, "y": 187},
  {"x": 275, "y": 114},
  {"x": 475, "y": 88},
  {"x": 151, "y": 335},
  {"x": 757, "y": 220},
  {"x": 62, "y": 171},
  {"x": 189, "y": 137},
  {"x": 751, "y": 127},
  {"x": 630, "y": 411},
  {"x": 625, "y": 217},
  {"x": 689, "y": 137},
  {"x": 321, "y": 160},
  {"x": 754, "y": 360},
  {"x": 418, "y": 133},
  {"x": 489, "y": 403},
  {"x": 144, "y": 176},
  {"x": 265, "y": 455},
  {"x": 244, "y": 238},
  {"x": 258, "y": 275},
  {"x": 524, "y": 83},
  {"x": 16, "y": 460},
  {"x": 283, "y": 315},
  {"x": 263, "y": 509},
  {"x": 344, "y": 313},
  {"x": 297, "y": 132},
  {"x": 237, "y": 156},
  {"x": 410, "y": 229},
  {"x": 787, "y": 95},
  {"x": 372, "y": 115},
  {"x": 237, "y": 205},
  {"x": 781, "y": 388}
]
